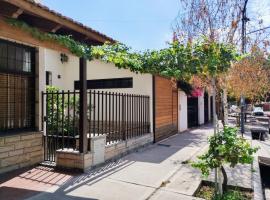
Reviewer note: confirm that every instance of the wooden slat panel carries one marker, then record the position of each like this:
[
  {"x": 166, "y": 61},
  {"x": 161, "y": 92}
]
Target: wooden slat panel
[{"x": 166, "y": 108}]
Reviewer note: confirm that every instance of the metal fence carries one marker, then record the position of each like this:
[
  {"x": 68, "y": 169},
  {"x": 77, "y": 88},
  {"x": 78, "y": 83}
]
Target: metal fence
[{"x": 119, "y": 116}]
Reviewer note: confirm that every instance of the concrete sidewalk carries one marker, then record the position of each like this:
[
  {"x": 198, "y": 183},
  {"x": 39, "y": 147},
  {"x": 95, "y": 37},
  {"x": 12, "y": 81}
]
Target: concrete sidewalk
[{"x": 155, "y": 172}]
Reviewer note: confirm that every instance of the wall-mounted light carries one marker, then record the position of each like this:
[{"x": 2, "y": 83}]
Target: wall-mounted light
[{"x": 63, "y": 57}]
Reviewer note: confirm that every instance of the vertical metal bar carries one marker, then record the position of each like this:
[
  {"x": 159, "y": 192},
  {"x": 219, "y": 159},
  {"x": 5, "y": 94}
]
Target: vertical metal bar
[
  {"x": 98, "y": 113},
  {"x": 63, "y": 119},
  {"x": 68, "y": 119},
  {"x": 148, "y": 115},
  {"x": 89, "y": 110},
  {"x": 47, "y": 129},
  {"x": 116, "y": 116},
  {"x": 102, "y": 111},
  {"x": 140, "y": 115},
  {"x": 42, "y": 111},
  {"x": 132, "y": 118},
  {"x": 126, "y": 115},
  {"x": 135, "y": 115},
  {"x": 129, "y": 115},
  {"x": 106, "y": 116},
  {"x": 123, "y": 117},
  {"x": 94, "y": 113},
  {"x": 74, "y": 118},
  {"x": 110, "y": 136},
  {"x": 57, "y": 119},
  {"x": 113, "y": 126},
  {"x": 90, "y": 118},
  {"x": 119, "y": 118},
  {"x": 144, "y": 114}
]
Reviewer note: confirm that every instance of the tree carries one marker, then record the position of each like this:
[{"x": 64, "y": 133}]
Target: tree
[
  {"x": 217, "y": 20},
  {"x": 250, "y": 77},
  {"x": 225, "y": 148}
]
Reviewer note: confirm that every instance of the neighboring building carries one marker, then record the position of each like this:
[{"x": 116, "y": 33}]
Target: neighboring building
[{"x": 27, "y": 65}]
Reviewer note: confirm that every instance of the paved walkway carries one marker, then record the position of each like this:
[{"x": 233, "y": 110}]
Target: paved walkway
[{"x": 155, "y": 172}]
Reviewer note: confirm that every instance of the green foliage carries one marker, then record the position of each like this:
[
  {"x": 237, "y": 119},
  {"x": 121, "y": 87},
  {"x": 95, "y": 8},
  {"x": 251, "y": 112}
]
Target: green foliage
[
  {"x": 56, "y": 109},
  {"x": 178, "y": 61},
  {"x": 225, "y": 147},
  {"x": 231, "y": 195}
]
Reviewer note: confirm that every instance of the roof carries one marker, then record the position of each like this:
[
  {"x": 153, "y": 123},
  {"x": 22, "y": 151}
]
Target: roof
[{"x": 42, "y": 17}]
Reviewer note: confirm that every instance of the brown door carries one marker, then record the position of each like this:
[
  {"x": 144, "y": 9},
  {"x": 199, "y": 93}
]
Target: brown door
[{"x": 166, "y": 108}]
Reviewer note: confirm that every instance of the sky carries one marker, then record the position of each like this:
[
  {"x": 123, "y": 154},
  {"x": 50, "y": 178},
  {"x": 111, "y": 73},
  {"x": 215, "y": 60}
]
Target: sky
[{"x": 140, "y": 24}]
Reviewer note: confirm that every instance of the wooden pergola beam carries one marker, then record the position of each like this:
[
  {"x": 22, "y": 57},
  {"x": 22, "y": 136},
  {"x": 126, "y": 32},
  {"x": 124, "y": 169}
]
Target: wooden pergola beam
[
  {"x": 44, "y": 13},
  {"x": 56, "y": 28},
  {"x": 16, "y": 14}
]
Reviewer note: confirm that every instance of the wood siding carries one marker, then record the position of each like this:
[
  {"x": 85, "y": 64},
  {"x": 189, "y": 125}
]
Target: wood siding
[
  {"x": 16, "y": 34},
  {"x": 166, "y": 106}
]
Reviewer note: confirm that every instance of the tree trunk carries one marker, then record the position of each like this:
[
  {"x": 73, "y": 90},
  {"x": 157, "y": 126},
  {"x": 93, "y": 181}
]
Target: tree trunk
[
  {"x": 215, "y": 125},
  {"x": 225, "y": 179},
  {"x": 225, "y": 106}
]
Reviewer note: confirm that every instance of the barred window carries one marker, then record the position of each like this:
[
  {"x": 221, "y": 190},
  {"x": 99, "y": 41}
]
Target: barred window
[{"x": 17, "y": 87}]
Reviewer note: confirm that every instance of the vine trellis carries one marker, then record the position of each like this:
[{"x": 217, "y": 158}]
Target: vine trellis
[{"x": 179, "y": 61}]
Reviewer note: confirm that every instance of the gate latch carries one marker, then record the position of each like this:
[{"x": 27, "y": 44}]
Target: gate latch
[{"x": 45, "y": 118}]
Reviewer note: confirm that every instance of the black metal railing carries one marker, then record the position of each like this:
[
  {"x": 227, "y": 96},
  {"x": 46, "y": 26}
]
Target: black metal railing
[{"x": 119, "y": 116}]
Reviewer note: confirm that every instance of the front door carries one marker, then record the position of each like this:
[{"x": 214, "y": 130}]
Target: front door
[{"x": 193, "y": 112}]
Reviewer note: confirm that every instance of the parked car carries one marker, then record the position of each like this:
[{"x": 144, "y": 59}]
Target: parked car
[{"x": 258, "y": 111}]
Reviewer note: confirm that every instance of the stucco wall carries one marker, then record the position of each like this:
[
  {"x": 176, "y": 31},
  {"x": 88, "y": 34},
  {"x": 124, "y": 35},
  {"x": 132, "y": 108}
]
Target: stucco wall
[
  {"x": 201, "y": 109},
  {"x": 69, "y": 72},
  {"x": 182, "y": 119}
]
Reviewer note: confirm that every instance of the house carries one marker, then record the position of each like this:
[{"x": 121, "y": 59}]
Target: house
[{"x": 122, "y": 111}]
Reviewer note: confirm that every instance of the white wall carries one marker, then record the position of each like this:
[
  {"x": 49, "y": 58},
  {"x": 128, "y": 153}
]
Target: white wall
[
  {"x": 69, "y": 71},
  {"x": 201, "y": 109},
  {"x": 182, "y": 114},
  {"x": 41, "y": 80}
]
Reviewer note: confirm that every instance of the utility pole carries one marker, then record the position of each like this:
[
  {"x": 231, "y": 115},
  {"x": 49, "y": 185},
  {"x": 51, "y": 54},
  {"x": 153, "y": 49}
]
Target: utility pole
[{"x": 244, "y": 38}]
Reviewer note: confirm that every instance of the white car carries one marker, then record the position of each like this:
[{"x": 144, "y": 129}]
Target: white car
[{"x": 258, "y": 111}]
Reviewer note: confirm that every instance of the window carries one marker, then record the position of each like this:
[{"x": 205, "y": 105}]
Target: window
[
  {"x": 107, "y": 83},
  {"x": 17, "y": 87},
  {"x": 48, "y": 78}
]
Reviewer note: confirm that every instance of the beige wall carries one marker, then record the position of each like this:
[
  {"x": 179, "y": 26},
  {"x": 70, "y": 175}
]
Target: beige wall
[
  {"x": 201, "y": 109},
  {"x": 69, "y": 71},
  {"x": 183, "y": 115}
]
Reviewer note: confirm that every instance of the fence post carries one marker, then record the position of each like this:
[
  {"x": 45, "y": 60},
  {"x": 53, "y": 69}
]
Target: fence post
[
  {"x": 83, "y": 106},
  {"x": 123, "y": 117}
]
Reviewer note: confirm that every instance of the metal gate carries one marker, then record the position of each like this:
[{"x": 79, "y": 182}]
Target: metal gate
[
  {"x": 119, "y": 116},
  {"x": 60, "y": 119}
]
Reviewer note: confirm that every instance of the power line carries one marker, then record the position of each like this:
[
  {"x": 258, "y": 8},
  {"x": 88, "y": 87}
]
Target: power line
[{"x": 261, "y": 29}]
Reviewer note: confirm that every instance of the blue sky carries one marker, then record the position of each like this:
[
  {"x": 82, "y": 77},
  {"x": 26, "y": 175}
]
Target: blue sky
[{"x": 141, "y": 24}]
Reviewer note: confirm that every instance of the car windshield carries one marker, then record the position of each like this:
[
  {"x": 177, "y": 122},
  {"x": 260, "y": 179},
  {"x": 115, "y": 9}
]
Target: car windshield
[{"x": 258, "y": 109}]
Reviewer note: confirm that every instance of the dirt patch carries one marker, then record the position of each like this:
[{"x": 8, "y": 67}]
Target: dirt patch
[{"x": 207, "y": 191}]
